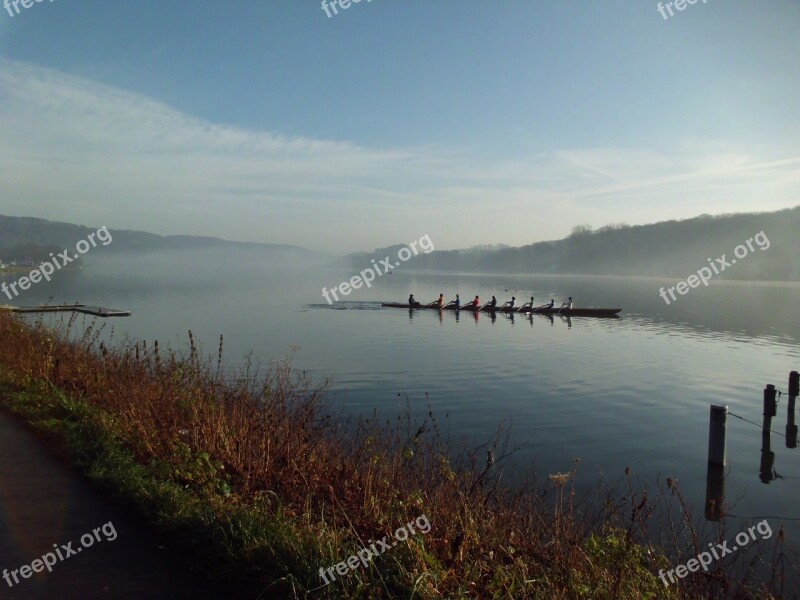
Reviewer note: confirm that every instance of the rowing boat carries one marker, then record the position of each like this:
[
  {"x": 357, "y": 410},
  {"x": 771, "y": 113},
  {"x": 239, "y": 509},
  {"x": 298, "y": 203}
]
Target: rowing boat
[{"x": 571, "y": 312}]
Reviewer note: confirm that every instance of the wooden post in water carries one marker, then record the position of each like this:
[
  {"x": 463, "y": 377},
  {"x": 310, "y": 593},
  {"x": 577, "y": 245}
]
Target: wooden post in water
[
  {"x": 715, "y": 476},
  {"x": 766, "y": 470},
  {"x": 791, "y": 428},
  {"x": 770, "y": 408},
  {"x": 717, "y": 430}
]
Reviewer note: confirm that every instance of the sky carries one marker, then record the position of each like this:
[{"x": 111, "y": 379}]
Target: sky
[{"x": 504, "y": 122}]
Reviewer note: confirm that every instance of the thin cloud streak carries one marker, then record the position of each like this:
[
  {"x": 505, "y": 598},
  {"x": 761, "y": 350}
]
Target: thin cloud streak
[{"x": 80, "y": 151}]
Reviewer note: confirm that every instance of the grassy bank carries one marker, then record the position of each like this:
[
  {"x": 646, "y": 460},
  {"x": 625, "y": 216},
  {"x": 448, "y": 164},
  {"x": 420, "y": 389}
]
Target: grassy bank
[{"x": 263, "y": 486}]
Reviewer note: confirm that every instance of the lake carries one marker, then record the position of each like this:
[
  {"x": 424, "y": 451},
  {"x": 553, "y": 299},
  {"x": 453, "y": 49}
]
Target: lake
[{"x": 616, "y": 393}]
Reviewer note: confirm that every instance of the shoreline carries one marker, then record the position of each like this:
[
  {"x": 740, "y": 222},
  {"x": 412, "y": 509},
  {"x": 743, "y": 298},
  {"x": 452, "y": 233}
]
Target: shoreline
[{"x": 10, "y": 270}]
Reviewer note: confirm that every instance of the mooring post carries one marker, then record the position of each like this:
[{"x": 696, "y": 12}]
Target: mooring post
[
  {"x": 770, "y": 408},
  {"x": 791, "y": 428},
  {"x": 717, "y": 430},
  {"x": 715, "y": 475},
  {"x": 767, "y": 455}
]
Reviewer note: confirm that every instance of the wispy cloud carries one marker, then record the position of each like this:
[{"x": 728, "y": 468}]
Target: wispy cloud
[{"x": 81, "y": 151}]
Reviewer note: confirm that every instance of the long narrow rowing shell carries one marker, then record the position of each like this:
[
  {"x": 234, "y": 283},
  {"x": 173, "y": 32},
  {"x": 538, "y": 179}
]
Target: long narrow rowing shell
[{"x": 571, "y": 312}]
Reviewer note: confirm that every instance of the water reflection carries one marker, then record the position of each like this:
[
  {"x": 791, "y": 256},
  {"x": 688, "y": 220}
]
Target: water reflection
[
  {"x": 715, "y": 492},
  {"x": 493, "y": 315}
]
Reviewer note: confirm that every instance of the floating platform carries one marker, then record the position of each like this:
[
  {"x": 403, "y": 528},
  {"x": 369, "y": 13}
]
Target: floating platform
[{"x": 95, "y": 311}]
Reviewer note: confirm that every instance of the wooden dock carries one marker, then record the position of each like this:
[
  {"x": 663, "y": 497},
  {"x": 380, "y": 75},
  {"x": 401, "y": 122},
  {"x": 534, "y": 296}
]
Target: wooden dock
[{"x": 95, "y": 311}]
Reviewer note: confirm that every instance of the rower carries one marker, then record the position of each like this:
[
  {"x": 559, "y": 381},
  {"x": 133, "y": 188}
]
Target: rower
[
  {"x": 492, "y": 303},
  {"x": 440, "y": 302},
  {"x": 475, "y": 303},
  {"x": 567, "y": 304},
  {"x": 413, "y": 303},
  {"x": 510, "y": 303},
  {"x": 527, "y": 304},
  {"x": 455, "y": 303}
]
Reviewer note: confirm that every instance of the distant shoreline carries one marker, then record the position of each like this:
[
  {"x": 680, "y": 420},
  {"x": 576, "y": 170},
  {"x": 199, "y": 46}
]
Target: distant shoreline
[
  {"x": 27, "y": 269},
  {"x": 17, "y": 269},
  {"x": 760, "y": 282}
]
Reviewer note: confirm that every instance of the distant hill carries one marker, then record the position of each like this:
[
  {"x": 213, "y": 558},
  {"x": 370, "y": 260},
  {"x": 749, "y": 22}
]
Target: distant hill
[
  {"x": 18, "y": 232},
  {"x": 670, "y": 249},
  {"x": 667, "y": 249}
]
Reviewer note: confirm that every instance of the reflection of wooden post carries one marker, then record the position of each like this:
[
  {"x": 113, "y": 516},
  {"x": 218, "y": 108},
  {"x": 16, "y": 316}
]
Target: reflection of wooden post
[
  {"x": 767, "y": 460},
  {"x": 767, "y": 456},
  {"x": 715, "y": 476},
  {"x": 715, "y": 492},
  {"x": 717, "y": 430}
]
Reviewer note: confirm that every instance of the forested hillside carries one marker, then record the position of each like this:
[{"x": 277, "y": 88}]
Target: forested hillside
[{"x": 670, "y": 248}]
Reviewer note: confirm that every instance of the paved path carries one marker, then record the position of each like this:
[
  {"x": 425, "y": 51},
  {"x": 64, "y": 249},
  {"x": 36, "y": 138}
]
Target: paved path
[{"x": 43, "y": 502}]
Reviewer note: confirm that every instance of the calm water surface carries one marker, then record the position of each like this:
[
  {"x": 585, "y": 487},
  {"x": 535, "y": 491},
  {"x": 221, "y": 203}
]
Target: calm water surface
[{"x": 630, "y": 392}]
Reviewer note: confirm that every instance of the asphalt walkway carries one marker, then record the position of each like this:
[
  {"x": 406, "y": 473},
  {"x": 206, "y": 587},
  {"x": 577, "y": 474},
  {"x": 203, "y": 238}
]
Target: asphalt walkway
[{"x": 45, "y": 503}]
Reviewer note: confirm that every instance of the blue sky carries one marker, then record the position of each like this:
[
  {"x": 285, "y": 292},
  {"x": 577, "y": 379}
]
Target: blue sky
[{"x": 472, "y": 122}]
